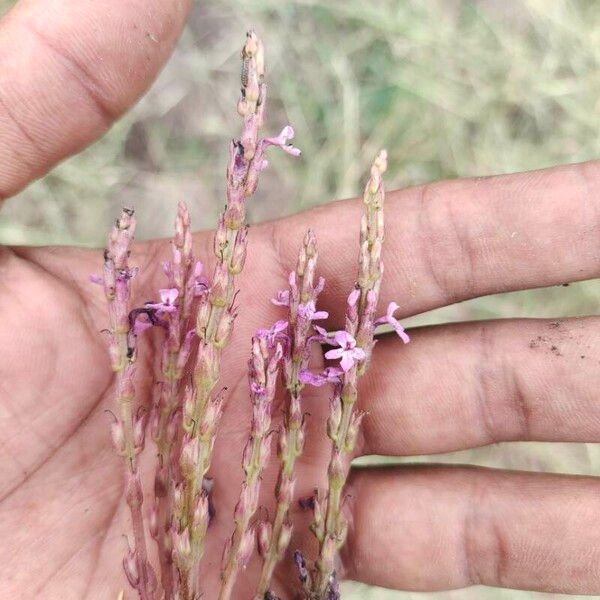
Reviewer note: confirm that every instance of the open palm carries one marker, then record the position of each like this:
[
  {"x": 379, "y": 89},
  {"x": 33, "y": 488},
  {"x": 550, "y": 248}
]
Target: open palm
[{"x": 62, "y": 513}]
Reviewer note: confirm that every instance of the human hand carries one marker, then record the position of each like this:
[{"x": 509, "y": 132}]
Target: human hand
[{"x": 454, "y": 386}]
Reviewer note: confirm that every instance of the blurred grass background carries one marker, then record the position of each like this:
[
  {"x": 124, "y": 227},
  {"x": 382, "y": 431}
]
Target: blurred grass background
[{"x": 452, "y": 88}]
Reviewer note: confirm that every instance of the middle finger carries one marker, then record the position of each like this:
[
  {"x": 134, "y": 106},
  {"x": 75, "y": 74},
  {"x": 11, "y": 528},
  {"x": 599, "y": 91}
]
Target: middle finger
[{"x": 470, "y": 384}]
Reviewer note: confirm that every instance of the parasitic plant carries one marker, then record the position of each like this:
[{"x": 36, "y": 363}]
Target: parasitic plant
[{"x": 196, "y": 314}]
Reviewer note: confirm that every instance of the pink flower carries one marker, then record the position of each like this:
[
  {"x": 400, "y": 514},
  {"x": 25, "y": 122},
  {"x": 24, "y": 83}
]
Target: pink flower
[
  {"x": 282, "y": 298},
  {"x": 329, "y": 375},
  {"x": 201, "y": 283},
  {"x": 287, "y": 133},
  {"x": 275, "y": 334},
  {"x": 347, "y": 351},
  {"x": 309, "y": 312},
  {"x": 391, "y": 320},
  {"x": 168, "y": 297}
]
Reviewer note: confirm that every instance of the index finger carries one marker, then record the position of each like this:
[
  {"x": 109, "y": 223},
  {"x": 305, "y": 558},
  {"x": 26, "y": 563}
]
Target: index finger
[
  {"x": 68, "y": 69},
  {"x": 454, "y": 240}
]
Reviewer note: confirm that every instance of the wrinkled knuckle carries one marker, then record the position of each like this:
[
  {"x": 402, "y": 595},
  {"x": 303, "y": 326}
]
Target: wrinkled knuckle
[
  {"x": 446, "y": 248},
  {"x": 484, "y": 551},
  {"x": 79, "y": 72}
]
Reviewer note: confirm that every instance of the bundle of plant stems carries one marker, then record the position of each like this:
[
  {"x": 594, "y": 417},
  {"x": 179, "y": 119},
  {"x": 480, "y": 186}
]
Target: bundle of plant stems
[{"x": 195, "y": 315}]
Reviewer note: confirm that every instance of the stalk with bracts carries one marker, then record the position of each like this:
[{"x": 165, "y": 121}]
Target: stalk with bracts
[
  {"x": 128, "y": 429},
  {"x": 263, "y": 370},
  {"x": 301, "y": 298},
  {"x": 195, "y": 317}
]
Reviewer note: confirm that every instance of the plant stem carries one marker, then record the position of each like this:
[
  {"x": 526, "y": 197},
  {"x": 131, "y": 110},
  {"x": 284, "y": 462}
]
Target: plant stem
[
  {"x": 264, "y": 367},
  {"x": 344, "y": 423},
  {"x": 128, "y": 430},
  {"x": 302, "y": 291}
]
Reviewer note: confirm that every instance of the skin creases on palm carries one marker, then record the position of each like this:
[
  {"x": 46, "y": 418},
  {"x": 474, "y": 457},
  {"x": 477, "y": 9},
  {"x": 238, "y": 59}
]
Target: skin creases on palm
[{"x": 62, "y": 515}]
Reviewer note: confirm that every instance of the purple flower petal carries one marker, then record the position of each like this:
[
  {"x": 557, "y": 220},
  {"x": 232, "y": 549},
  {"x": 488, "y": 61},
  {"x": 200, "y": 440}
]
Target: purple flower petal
[
  {"x": 344, "y": 339},
  {"x": 319, "y": 315},
  {"x": 286, "y": 134},
  {"x": 168, "y": 296},
  {"x": 334, "y": 354},
  {"x": 391, "y": 320},
  {"x": 347, "y": 361},
  {"x": 401, "y": 333}
]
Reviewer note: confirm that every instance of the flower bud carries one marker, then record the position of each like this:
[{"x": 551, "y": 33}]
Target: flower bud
[
  {"x": 242, "y": 107},
  {"x": 328, "y": 550},
  {"x": 220, "y": 239},
  {"x": 285, "y": 490},
  {"x": 353, "y": 430},
  {"x": 238, "y": 254},
  {"x": 184, "y": 352},
  {"x": 189, "y": 404},
  {"x": 139, "y": 432},
  {"x": 337, "y": 472},
  {"x": 153, "y": 521},
  {"x": 118, "y": 436},
  {"x": 235, "y": 215},
  {"x": 301, "y": 264},
  {"x": 116, "y": 359},
  {"x": 207, "y": 367},
  {"x": 282, "y": 446},
  {"x": 182, "y": 548},
  {"x": 318, "y": 524},
  {"x": 265, "y": 452},
  {"x": 200, "y": 517},
  {"x": 284, "y": 538},
  {"x": 334, "y": 419},
  {"x": 188, "y": 461},
  {"x": 178, "y": 500},
  {"x": 265, "y": 531},
  {"x": 220, "y": 287},
  {"x": 212, "y": 416},
  {"x": 224, "y": 328},
  {"x": 246, "y": 547},
  {"x": 341, "y": 530},
  {"x": 202, "y": 317},
  {"x": 130, "y": 566},
  {"x": 242, "y": 508}
]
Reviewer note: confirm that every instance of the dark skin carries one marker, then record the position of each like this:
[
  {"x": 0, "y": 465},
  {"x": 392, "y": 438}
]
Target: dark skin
[{"x": 454, "y": 387}]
